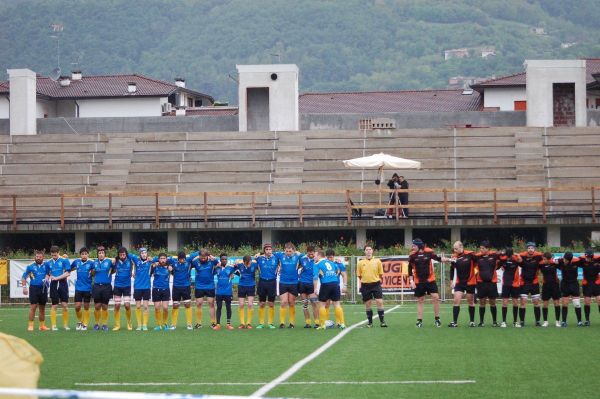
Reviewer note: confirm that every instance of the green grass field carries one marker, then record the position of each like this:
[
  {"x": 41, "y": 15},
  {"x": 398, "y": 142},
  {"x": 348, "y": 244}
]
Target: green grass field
[{"x": 542, "y": 362}]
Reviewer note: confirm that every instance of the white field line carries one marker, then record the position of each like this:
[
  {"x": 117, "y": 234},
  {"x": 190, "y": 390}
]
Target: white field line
[
  {"x": 133, "y": 384},
  {"x": 298, "y": 365}
]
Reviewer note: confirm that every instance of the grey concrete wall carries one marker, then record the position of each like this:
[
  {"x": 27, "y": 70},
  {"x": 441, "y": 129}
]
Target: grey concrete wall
[
  {"x": 593, "y": 117},
  {"x": 227, "y": 123},
  {"x": 414, "y": 120}
]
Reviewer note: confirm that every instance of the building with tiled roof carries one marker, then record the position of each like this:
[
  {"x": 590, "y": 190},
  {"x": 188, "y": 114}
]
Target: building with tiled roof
[
  {"x": 107, "y": 95},
  {"x": 390, "y": 101},
  {"x": 507, "y": 93}
]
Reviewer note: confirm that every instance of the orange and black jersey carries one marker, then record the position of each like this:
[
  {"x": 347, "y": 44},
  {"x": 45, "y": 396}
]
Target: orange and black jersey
[
  {"x": 549, "y": 272},
  {"x": 510, "y": 277},
  {"x": 569, "y": 270},
  {"x": 420, "y": 265},
  {"x": 590, "y": 268},
  {"x": 464, "y": 267},
  {"x": 530, "y": 266},
  {"x": 486, "y": 267}
]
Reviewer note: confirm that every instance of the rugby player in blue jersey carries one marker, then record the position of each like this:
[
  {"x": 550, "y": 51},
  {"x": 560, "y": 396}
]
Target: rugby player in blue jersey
[
  {"x": 327, "y": 274},
  {"x": 247, "y": 290},
  {"x": 181, "y": 269},
  {"x": 204, "y": 285},
  {"x": 289, "y": 262},
  {"x": 102, "y": 289},
  {"x": 342, "y": 277},
  {"x": 141, "y": 287},
  {"x": 83, "y": 287},
  {"x": 161, "y": 294},
  {"x": 38, "y": 275},
  {"x": 123, "y": 269},
  {"x": 224, "y": 291},
  {"x": 60, "y": 269},
  {"x": 267, "y": 284},
  {"x": 306, "y": 287}
]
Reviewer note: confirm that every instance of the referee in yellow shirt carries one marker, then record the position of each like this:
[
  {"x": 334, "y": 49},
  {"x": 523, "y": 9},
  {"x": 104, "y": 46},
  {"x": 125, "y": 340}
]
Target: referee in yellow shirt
[{"x": 370, "y": 273}]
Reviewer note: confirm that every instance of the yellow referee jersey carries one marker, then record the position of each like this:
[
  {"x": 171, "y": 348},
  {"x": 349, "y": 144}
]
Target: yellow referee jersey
[{"x": 369, "y": 270}]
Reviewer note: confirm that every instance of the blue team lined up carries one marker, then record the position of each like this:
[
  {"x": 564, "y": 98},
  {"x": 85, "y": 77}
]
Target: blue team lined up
[{"x": 316, "y": 277}]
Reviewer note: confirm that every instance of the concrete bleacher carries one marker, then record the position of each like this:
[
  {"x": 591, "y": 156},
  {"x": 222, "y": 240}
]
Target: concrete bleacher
[{"x": 289, "y": 161}]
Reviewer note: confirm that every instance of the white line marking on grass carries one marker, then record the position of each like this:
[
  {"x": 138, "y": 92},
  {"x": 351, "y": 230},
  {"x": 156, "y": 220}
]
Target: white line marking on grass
[
  {"x": 133, "y": 384},
  {"x": 292, "y": 370}
]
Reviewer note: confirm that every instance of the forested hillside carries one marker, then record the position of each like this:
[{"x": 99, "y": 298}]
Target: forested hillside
[{"x": 338, "y": 45}]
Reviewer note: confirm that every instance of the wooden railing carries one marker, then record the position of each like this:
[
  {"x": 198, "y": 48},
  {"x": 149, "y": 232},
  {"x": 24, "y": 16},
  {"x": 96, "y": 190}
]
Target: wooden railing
[{"x": 339, "y": 203}]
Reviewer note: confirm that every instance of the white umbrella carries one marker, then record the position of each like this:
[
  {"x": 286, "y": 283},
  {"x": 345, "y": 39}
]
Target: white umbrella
[{"x": 380, "y": 161}]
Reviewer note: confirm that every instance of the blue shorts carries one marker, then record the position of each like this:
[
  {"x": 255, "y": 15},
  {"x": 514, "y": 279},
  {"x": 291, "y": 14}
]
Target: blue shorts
[{"x": 245, "y": 292}]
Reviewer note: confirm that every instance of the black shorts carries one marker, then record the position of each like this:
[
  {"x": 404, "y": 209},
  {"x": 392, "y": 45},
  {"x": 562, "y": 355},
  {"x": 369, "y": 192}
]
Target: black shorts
[
  {"x": 550, "y": 291},
  {"x": 426, "y": 288},
  {"x": 267, "y": 290},
  {"x": 530, "y": 289},
  {"x": 161, "y": 294},
  {"x": 591, "y": 290},
  {"x": 245, "y": 292},
  {"x": 568, "y": 289},
  {"x": 221, "y": 298},
  {"x": 487, "y": 289},
  {"x": 329, "y": 291},
  {"x": 306, "y": 288},
  {"x": 508, "y": 291},
  {"x": 288, "y": 288},
  {"x": 181, "y": 294},
  {"x": 83, "y": 296},
  {"x": 122, "y": 291},
  {"x": 141, "y": 294},
  {"x": 102, "y": 293},
  {"x": 59, "y": 291},
  {"x": 38, "y": 295},
  {"x": 464, "y": 287},
  {"x": 371, "y": 291},
  {"x": 210, "y": 293}
]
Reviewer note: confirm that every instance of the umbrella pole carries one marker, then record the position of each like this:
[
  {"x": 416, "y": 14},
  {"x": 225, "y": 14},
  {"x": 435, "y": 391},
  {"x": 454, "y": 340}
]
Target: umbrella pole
[{"x": 380, "y": 183}]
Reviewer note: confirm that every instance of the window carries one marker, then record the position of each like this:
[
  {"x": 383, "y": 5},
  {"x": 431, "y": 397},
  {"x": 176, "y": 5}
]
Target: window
[
  {"x": 597, "y": 102},
  {"x": 190, "y": 102},
  {"x": 520, "y": 105}
]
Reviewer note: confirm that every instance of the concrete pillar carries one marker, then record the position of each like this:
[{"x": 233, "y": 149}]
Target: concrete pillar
[
  {"x": 454, "y": 234},
  {"x": 281, "y": 105},
  {"x": 79, "y": 240},
  {"x": 172, "y": 240},
  {"x": 541, "y": 76},
  {"x": 361, "y": 237},
  {"x": 126, "y": 239},
  {"x": 267, "y": 236},
  {"x": 553, "y": 236},
  {"x": 408, "y": 237},
  {"x": 23, "y": 110}
]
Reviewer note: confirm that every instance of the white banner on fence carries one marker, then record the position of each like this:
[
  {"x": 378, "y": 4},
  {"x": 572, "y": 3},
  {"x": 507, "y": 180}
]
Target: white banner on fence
[{"x": 17, "y": 268}]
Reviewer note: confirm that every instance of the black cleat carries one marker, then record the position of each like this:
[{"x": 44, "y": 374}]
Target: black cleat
[
  {"x": 383, "y": 324},
  {"x": 438, "y": 323},
  {"x": 291, "y": 325},
  {"x": 282, "y": 325},
  {"x": 307, "y": 326},
  {"x": 452, "y": 325}
]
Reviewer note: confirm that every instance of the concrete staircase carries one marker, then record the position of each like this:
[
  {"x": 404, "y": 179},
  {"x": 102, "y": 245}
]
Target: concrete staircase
[
  {"x": 115, "y": 165},
  {"x": 530, "y": 162},
  {"x": 289, "y": 165}
]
